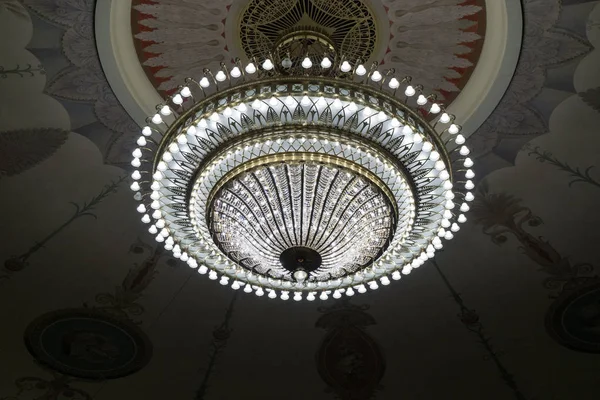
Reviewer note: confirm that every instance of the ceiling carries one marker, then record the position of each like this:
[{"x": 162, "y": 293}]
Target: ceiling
[{"x": 93, "y": 309}]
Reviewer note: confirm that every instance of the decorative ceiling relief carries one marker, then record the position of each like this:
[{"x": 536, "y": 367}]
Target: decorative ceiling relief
[
  {"x": 23, "y": 149},
  {"x": 124, "y": 303},
  {"x": 167, "y": 32},
  {"x": 83, "y": 81},
  {"x": 592, "y": 98},
  {"x": 349, "y": 360},
  {"x": 19, "y": 262},
  {"x": 472, "y": 321},
  {"x": 501, "y": 214},
  {"x": 546, "y": 47},
  {"x": 26, "y": 138},
  {"x": 220, "y": 335},
  {"x": 88, "y": 344},
  {"x": 443, "y": 64},
  {"x": 58, "y": 386},
  {"x": 573, "y": 320},
  {"x": 576, "y": 174}
]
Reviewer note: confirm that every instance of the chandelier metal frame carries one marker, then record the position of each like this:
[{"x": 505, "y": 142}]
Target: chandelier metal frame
[{"x": 244, "y": 115}]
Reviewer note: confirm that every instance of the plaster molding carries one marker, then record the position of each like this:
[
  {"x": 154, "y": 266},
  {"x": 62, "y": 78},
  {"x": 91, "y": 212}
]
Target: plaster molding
[{"x": 473, "y": 106}]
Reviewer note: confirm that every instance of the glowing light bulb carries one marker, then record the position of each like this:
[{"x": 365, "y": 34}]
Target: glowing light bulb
[
  {"x": 468, "y": 163},
  {"x": 376, "y": 76},
  {"x": 305, "y": 102},
  {"x": 464, "y": 207},
  {"x": 349, "y": 292},
  {"x": 435, "y": 108},
  {"x": 325, "y": 63},
  {"x": 462, "y": 219},
  {"x": 220, "y": 76},
  {"x": 165, "y": 110},
  {"x": 157, "y": 119},
  {"x": 306, "y": 63},
  {"x": 421, "y": 100},
  {"x": 135, "y": 186},
  {"x": 394, "y": 83},
  {"x": 185, "y": 91},
  {"x": 453, "y": 129},
  {"x": 470, "y": 174},
  {"x": 410, "y": 91},
  {"x": 460, "y": 139},
  {"x": 147, "y": 131},
  {"x": 464, "y": 151},
  {"x": 204, "y": 82},
  {"x": 141, "y": 141},
  {"x": 235, "y": 72},
  {"x": 445, "y": 118},
  {"x": 268, "y": 64},
  {"x": 136, "y": 162},
  {"x": 469, "y": 185},
  {"x": 361, "y": 70},
  {"x": 337, "y": 294},
  {"x": 141, "y": 208},
  {"x": 250, "y": 68},
  {"x": 469, "y": 196}
]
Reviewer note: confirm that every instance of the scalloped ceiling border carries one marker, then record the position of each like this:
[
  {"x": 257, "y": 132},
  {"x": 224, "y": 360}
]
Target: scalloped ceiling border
[{"x": 473, "y": 106}]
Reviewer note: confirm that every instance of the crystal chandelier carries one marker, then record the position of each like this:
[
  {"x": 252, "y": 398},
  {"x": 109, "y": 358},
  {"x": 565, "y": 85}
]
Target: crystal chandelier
[{"x": 303, "y": 173}]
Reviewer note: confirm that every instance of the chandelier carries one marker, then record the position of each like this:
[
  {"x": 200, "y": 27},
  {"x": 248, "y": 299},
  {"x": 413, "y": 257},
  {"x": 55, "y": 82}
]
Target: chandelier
[{"x": 302, "y": 173}]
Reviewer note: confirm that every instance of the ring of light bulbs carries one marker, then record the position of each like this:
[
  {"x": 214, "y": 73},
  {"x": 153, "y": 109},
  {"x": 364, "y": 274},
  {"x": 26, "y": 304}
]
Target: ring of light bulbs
[{"x": 236, "y": 116}]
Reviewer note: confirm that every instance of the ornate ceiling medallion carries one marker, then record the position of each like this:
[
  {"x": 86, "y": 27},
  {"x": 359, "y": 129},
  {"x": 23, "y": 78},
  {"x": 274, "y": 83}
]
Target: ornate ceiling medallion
[
  {"x": 347, "y": 26},
  {"x": 302, "y": 174}
]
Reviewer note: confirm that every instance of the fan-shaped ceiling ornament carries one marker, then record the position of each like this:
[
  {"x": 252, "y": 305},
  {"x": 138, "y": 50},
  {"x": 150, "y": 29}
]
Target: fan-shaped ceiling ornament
[
  {"x": 438, "y": 42},
  {"x": 302, "y": 171}
]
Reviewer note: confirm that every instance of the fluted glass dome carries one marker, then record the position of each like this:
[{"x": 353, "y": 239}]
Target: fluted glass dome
[{"x": 339, "y": 214}]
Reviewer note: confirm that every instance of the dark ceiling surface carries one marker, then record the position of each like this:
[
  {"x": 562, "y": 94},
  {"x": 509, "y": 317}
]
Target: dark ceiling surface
[{"x": 92, "y": 308}]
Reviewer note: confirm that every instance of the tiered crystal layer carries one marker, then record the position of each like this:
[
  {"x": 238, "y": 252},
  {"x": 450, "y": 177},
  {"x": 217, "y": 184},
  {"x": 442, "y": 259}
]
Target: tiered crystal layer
[{"x": 340, "y": 214}]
